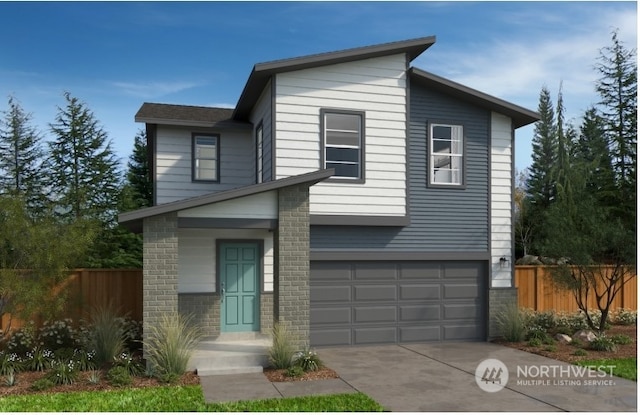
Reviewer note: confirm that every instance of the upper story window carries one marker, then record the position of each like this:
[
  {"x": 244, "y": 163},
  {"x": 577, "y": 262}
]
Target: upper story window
[
  {"x": 259, "y": 153},
  {"x": 206, "y": 157},
  {"x": 446, "y": 153},
  {"x": 343, "y": 143}
]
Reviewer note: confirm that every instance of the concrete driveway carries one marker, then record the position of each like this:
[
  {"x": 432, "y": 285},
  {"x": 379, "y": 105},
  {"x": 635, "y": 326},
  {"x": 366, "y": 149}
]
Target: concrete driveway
[{"x": 442, "y": 377}]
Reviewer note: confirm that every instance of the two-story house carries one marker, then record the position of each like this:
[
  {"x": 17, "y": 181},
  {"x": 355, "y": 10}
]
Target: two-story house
[{"x": 352, "y": 197}]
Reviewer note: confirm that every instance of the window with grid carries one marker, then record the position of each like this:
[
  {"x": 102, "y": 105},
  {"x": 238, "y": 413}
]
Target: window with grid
[
  {"x": 446, "y": 153},
  {"x": 206, "y": 154},
  {"x": 343, "y": 143}
]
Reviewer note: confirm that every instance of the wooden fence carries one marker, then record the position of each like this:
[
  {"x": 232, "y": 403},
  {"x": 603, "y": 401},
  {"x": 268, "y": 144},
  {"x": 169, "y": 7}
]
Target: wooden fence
[
  {"x": 537, "y": 291},
  {"x": 95, "y": 287}
]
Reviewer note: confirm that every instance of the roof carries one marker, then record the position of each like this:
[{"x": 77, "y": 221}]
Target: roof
[
  {"x": 133, "y": 220},
  {"x": 154, "y": 113},
  {"x": 520, "y": 115},
  {"x": 262, "y": 72}
]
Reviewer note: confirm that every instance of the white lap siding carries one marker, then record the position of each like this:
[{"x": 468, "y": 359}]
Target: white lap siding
[
  {"x": 376, "y": 87},
  {"x": 501, "y": 200}
]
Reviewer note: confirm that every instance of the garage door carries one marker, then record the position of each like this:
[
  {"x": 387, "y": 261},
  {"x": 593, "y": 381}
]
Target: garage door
[{"x": 377, "y": 302}]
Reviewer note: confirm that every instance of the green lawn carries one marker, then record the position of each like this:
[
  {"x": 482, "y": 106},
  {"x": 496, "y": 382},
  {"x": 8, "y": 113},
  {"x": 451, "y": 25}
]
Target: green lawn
[
  {"x": 624, "y": 367},
  {"x": 178, "y": 399}
]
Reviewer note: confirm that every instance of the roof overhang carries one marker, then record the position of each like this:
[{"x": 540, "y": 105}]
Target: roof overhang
[
  {"x": 134, "y": 220},
  {"x": 520, "y": 115},
  {"x": 262, "y": 72},
  {"x": 189, "y": 116}
]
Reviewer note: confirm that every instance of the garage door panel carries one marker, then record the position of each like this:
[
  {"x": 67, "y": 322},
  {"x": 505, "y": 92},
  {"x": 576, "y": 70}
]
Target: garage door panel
[
  {"x": 420, "y": 313},
  {"x": 330, "y": 293},
  {"x": 375, "y": 292},
  {"x": 420, "y": 270},
  {"x": 375, "y": 314},
  {"x": 372, "y": 271},
  {"x": 460, "y": 270},
  {"x": 461, "y": 332},
  {"x": 461, "y": 291},
  {"x": 331, "y": 337},
  {"x": 372, "y": 335},
  {"x": 419, "y": 292},
  {"x": 420, "y": 333},
  {"x": 460, "y": 311},
  {"x": 331, "y": 315},
  {"x": 331, "y": 271}
]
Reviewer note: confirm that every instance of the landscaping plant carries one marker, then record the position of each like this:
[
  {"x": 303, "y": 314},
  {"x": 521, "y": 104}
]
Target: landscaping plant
[
  {"x": 308, "y": 360},
  {"x": 281, "y": 351},
  {"x": 107, "y": 334},
  {"x": 170, "y": 343},
  {"x": 512, "y": 323}
]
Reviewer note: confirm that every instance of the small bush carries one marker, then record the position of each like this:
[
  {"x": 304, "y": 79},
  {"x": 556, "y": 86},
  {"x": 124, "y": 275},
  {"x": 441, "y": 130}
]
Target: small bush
[
  {"x": 169, "y": 378},
  {"x": 281, "y": 351},
  {"x": 10, "y": 379},
  {"x": 580, "y": 352},
  {"x": 603, "y": 344},
  {"x": 544, "y": 319},
  {"x": 308, "y": 360},
  {"x": 10, "y": 363},
  {"x": 84, "y": 359},
  {"x": 550, "y": 348},
  {"x": 42, "y": 384},
  {"x": 621, "y": 339},
  {"x": 577, "y": 343},
  {"x": 571, "y": 322},
  {"x": 63, "y": 372},
  {"x": 58, "y": 335},
  {"x": 107, "y": 334},
  {"x": 512, "y": 323},
  {"x": 21, "y": 341},
  {"x": 132, "y": 365},
  {"x": 94, "y": 377},
  {"x": 294, "y": 371},
  {"x": 539, "y": 333},
  {"x": 170, "y": 344},
  {"x": 534, "y": 342},
  {"x": 39, "y": 359},
  {"x": 625, "y": 317},
  {"x": 119, "y": 376}
]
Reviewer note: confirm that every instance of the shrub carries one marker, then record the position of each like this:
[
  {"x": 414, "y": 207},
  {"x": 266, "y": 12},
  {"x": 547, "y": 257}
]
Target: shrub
[
  {"x": 625, "y": 317},
  {"x": 107, "y": 334},
  {"x": 63, "y": 372},
  {"x": 544, "y": 319},
  {"x": 621, "y": 339},
  {"x": 570, "y": 322},
  {"x": 281, "y": 351},
  {"x": 132, "y": 365},
  {"x": 511, "y": 323},
  {"x": 85, "y": 360},
  {"x": 577, "y": 343},
  {"x": 534, "y": 342},
  {"x": 603, "y": 344},
  {"x": 119, "y": 376},
  {"x": 94, "y": 377},
  {"x": 169, "y": 378},
  {"x": 294, "y": 371},
  {"x": 38, "y": 359},
  {"x": 42, "y": 384},
  {"x": 308, "y": 360},
  {"x": 21, "y": 341},
  {"x": 550, "y": 348},
  {"x": 10, "y": 363},
  {"x": 539, "y": 333},
  {"x": 58, "y": 335},
  {"x": 10, "y": 379},
  {"x": 580, "y": 352},
  {"x": 170, "y": 344},
  {"x": 132, "y": 333}
]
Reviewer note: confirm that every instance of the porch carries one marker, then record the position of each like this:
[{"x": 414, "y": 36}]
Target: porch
[{"x": 231, "y": 353}]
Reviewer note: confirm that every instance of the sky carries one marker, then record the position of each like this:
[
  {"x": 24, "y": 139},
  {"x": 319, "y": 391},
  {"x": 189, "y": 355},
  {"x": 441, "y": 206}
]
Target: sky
[{"x": 114, "y": 56}]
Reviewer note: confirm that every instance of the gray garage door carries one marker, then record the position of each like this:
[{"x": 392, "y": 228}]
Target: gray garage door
[{"x": 377, "y": 302}]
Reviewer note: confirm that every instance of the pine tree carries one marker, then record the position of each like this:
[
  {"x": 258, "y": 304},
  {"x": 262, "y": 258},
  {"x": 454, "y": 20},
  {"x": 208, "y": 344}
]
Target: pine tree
[
  {"x": 563, "y": 138},
  {"x": 85, "y": 178},
  {"x": 21, "y": 158},
  {"x": 138, "y": 174},
  {"x": 541, "y": 183},
  {"x": 618, "y": 89}
]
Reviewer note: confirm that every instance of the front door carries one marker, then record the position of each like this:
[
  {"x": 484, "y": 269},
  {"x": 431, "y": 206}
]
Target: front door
[{"x": 239, "y": 287}]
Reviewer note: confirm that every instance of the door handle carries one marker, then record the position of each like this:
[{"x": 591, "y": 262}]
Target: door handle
[{"x": 222, "y": 292}]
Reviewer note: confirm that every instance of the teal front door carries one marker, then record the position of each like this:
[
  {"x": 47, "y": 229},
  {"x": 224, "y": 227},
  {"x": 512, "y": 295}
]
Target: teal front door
[{"x": 239, "y": 287}]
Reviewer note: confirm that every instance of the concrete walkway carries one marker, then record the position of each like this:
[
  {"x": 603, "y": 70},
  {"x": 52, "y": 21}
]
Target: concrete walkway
[{"x": 441, "y": 377}]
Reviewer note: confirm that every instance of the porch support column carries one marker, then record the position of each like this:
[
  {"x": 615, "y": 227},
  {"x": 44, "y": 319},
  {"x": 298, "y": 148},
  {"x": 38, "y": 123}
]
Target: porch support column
[
  {"x": 160, "y": 271},
  {"x": 291, "y": 263}
]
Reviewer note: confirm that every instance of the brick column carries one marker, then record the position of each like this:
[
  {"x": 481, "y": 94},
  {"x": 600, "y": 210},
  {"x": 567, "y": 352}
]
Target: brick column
[
  {"x": 291, "y": 263},
  {"x": 160, "y": 268},
  {"x": 499, "y": 298}
]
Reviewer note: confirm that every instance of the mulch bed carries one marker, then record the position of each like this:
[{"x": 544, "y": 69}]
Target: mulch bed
[
  {"x": 565, "y": 352},
  {"x": 280, "y": 375}
]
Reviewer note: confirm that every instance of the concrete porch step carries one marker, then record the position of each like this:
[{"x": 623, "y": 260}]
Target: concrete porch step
[{"x": 231, "y": 353}]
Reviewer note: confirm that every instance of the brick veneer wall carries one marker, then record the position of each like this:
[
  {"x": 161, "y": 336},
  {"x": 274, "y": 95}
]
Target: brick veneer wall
[
  {"x": 266, "y": 312},
  {"x": 205, "y": 310},
  {"x": 499, "y": 298},
  {"x": 160, "y": 271},
  {"x": 291, "y": 285}
]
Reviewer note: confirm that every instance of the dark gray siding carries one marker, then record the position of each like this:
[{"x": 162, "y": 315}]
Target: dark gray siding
[{"x": 452, "y": 220}]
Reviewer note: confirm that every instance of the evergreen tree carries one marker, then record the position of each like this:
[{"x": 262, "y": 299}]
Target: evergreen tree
[
  {"x": 138, "y": 174},
  {"x": 618, "y": 89},
  {"x": 541, "y": 183},
  {"x": 563, "y": 141},
  {"x": 21, "y": 158},
  {"x": 85, "y": 178}
]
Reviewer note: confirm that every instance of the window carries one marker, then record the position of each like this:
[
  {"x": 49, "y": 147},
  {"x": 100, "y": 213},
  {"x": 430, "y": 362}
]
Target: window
[
  {"x": 259, "y": 153},
  {"x": 206, "y": 154},
  {"x": 343, "y": 143},
  {"x": 446, "y": 149}
]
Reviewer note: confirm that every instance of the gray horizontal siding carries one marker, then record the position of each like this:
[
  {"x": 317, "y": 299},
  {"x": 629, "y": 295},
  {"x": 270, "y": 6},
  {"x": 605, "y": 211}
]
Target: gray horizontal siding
[{"x": 453, "y": 220}]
